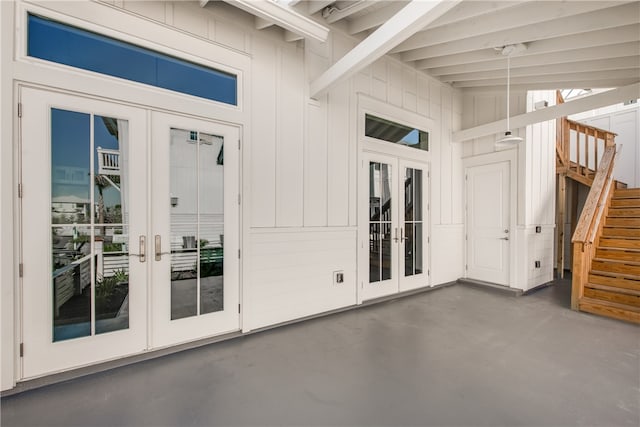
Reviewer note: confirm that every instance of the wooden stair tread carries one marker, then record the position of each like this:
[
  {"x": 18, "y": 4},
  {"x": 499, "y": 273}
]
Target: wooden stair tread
[
  {"x": 624, "y": 212},
  {"x": 619, "y": 261},
  {"x": 626, "y": 193},
  {"x": 610, "y": 309},
  {"x": 615, "y": 274},
  {"x": 616, "y": 282},
  {"x": 626, "y": 291}
]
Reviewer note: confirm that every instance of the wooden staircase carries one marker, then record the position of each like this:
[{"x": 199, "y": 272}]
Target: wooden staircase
[{"x": 613, "y": 284}]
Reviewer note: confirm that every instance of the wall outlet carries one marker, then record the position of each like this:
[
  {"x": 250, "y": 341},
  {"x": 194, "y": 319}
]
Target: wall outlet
[
  {"x": 338, "y": 277},
  {"x": 538, "y": 229},
  {"x": 537, "y": 264}
]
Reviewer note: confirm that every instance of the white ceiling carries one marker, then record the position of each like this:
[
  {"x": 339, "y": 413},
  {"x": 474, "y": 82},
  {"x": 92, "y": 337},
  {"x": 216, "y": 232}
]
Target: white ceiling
[{"x": 569, "y": 44}]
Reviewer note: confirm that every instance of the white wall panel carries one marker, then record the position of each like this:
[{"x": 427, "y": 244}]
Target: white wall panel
[
  {"x": 151, "y": 9},
  {"x": 315, "y": 166},
  {"x": 263, "y": 137},
  {"x": 289, "y": 138},
  {"x": 292, "y": 274},
  {"x": 394, "y": 84},
  {"x": 188, "y": 18},
  {"x": 339, "y": 155},
  {"x": 447, "y": 248}
]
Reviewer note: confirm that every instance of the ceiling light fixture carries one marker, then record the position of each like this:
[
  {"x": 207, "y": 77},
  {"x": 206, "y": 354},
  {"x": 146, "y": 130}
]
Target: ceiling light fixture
[{"x": 509, "y": 139}]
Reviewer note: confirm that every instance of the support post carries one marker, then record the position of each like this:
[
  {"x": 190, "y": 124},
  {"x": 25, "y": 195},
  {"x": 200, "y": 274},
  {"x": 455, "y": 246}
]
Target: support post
[{"x": 560, "y": 220}]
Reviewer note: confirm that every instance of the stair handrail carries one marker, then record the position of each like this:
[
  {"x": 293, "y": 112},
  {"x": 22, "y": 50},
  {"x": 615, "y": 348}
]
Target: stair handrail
[{"x": 591, "y": 223}]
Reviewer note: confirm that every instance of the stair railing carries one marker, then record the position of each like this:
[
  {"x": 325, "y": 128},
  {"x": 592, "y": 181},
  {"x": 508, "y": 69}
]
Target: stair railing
[{"x": 591, "y": 224}]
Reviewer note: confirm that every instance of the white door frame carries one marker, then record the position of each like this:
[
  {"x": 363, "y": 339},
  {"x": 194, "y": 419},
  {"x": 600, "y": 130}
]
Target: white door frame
[{"x": 511, "y": 156}]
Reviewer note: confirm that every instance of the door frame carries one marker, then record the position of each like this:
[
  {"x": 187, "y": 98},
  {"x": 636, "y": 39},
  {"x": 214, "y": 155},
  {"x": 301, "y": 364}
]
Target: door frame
[{"x": 510, "y": 156}]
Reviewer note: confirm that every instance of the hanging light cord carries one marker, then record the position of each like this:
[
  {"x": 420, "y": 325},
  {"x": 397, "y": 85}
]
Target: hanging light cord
[{"x": 508, "y": 83}]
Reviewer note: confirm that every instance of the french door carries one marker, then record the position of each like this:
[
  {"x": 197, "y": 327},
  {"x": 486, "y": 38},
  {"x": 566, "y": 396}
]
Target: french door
[
  {"x": 195, "y": 218},
  {"x": 129, "y": 230},
  {"x": 394, "y": 225}
]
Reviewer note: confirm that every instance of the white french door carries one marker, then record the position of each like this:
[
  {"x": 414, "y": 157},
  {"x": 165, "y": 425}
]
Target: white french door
[
  {"x": 394, "y": 225},
  {"x": 129, "y": 230},
  {"x": 84, "y": 210},
  {"x": 488, "y": 222},
  {"x": 195, "y": 223}
]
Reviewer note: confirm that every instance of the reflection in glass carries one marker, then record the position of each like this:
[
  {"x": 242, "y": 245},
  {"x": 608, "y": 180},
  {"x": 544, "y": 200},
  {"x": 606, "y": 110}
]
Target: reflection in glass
[
  {"x": 90, "y": 263},
  {"x": 70, "y": 167},
  {"x": 413, "y": 222},
  {"x": 71, "y": 252},
  {"x": 111, "y": 279},
  {"x": 380, "y": 216},
  {"x": 197, "y": 223}
]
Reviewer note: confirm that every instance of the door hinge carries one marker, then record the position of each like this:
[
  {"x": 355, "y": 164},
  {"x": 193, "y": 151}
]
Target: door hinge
[
  {"x": 239, "y": 199},
  {"x": 466, "y": 267},
  {"x": 20, "y": 270},
  {"x": 20, "y": 191},
  {"x": 428, "y": 239},
  {"x": 21, "y": 349},
  {"x": 239, "y": 144},
  {"x": 428, "y": 272},
  {"x": 238, "y": 253},
  {"x": 238, "y": 308},
  {"x": 19, "y": 109},
  {"x": 466, "y": 177}
]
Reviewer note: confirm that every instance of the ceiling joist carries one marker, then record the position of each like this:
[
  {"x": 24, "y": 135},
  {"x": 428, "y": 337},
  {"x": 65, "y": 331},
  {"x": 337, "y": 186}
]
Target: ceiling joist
[{"x": 587, "y": 103}]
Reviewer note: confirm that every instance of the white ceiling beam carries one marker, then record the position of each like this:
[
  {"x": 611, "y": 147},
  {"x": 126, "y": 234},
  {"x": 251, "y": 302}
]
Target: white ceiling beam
[
  {"x": 317, "y": 5},
  {"x": 284, "y": 17},
  {"x": 608, "y": 36},
  {"x": 336, "y": 14},
  {"x": 261, "y": 24},
  {"x": 623, "y": 63},
  {"x": 472, "y": 9},
  {"x": 290, "y": 36},
  {"x": 528, "y": 13},
  {"x": 398, "y": 28},
  {"x": 626, "y": 14},
  {"x": 562, "y": 77},
  {"x": 549, "y": 85},
  {"x": 587, "y": 103},
  {"x": 375, "y": 18}
]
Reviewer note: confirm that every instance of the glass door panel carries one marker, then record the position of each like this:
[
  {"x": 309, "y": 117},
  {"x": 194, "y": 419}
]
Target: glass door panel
[
  {"x": 195, "y": 207},
  {"x": 80, "y": 202}
]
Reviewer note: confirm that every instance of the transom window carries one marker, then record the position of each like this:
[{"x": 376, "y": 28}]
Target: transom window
[
  {"x": 64, "y": 44},
  {"x": 386, "y": 130}
]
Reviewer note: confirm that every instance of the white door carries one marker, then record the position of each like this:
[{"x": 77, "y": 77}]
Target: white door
[
  {"x": 394, "y": 226},
  {"x": 195, "y": 229},
  {"x": 84, "y": 181},
  {"x": 488, "y": 223}
]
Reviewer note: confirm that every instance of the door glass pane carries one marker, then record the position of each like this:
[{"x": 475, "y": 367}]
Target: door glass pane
[
  {"x": 374, "y": 191},
  {"x": 88, "y": 186},
  {"x": 183, "y": 202},
  {"x": 418, "y": 255},
  {"x": 71, "y": 251},
  {"x": 197, "y": 223},
  {"x": 417, "y": 195},
  {"x": 374, "y": 252},
  {"x": 408, "y": 249},
  {"x": 211, "y": 221},
  {"x": 386, "y": 250}
]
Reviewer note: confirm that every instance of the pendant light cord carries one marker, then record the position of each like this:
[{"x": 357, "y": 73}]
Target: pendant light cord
[{"x": 508, "y": 83}]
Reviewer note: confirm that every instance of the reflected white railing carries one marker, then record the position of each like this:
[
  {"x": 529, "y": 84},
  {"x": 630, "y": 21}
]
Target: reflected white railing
[{"x": 108, "y": 161}]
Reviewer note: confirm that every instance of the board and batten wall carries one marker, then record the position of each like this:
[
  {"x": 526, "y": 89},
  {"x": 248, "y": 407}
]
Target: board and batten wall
[
  {"x": 535, "y": 205},
  {"x": 300, "y": 157}
]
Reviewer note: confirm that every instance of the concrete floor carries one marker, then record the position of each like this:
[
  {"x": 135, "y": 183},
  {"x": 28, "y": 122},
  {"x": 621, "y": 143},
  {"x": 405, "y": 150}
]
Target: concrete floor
[{"x": 458, "y": 356}]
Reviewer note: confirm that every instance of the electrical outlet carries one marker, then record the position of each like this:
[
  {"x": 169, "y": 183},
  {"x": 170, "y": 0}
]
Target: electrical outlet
[
  {"x": 338, "y": 277},
  {"x": 537, "y": 264}
]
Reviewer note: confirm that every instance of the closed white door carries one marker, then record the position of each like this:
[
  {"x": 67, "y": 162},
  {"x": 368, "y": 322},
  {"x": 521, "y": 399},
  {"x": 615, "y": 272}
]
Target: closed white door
[
  {"x": 394, "y": 227},
  {"x": 488, "y": 222},
  {"x": 83, "y": 212},
  {"x": 195, "y": 229}
]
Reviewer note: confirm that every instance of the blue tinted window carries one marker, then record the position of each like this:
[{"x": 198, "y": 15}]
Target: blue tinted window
[{"x": 82, "y": 49}]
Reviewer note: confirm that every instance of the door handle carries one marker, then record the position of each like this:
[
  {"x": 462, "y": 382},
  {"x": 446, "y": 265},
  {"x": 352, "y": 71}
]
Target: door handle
[
  {"x": 395, "y": 239},
  {"x": 402, "y": 237},
  {"x": 504, "y": 238},
  {"x": 158, "y": 248},
  {"x": 142, "y": 243}
]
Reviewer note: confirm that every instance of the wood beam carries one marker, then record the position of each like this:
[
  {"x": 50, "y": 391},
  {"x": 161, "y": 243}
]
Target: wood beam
[
  {"x": 336, "y": 14},
  {"x": 284, "y": 17},
  {"x": 550, "y": 85},
  {"x": 261, "y": 24},
  {"x": 472, "y": 9},
  {"x": 560, "y": 220},
  {"x": 562, "y": 77},
  {"x": 375, "y": 18},
  {"x": 587, "y": 103},
  {"x": 524, "y": 14},
  {"x": 623, "y": 63},
  {"x": 402, "y": 25},
  {"x": 626, "y": 14}
]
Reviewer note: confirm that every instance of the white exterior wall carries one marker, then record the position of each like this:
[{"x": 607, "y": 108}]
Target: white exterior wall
[
  {"x": 535, "y": 204},
  {"x": 299, "y": 156}
]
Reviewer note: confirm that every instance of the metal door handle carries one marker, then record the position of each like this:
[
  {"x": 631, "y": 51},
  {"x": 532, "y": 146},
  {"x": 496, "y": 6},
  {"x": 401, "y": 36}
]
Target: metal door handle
[
  {"x": 395, "y": 239},
  {"x": 504, "y": 238},
  {"x": 142, "y": 242},
  {"x": 402, "y": 237},
  {"x": 158, "y": 248}
]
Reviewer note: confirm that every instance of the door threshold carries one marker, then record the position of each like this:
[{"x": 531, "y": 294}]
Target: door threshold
[
  {"x": 493, "y": 286},
  {"x": 76, "y": 373}
]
